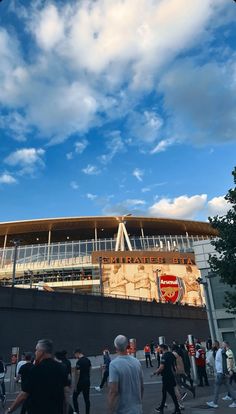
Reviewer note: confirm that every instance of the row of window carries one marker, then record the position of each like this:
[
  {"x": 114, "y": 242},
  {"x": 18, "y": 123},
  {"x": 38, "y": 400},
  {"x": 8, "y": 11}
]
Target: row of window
[{"x": 70, "y": 250}]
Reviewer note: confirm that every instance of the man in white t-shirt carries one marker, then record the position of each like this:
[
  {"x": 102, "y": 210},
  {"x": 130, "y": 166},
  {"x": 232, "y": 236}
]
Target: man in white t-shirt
[
  {"x": 125, "y": 381},
  {"x": 19, "y": 365},
  {"x": 222, "y": 376}
]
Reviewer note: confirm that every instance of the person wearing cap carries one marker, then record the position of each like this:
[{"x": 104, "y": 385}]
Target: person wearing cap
[{"x": 125, "y": 381}]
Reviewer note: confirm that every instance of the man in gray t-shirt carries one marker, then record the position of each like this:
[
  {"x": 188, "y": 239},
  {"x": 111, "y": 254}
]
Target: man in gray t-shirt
[{"x": 125, "y": 381}]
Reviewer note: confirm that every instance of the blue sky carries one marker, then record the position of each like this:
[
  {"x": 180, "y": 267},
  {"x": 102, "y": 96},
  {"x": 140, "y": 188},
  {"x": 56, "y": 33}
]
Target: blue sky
[{"x": 116, "y": 107}]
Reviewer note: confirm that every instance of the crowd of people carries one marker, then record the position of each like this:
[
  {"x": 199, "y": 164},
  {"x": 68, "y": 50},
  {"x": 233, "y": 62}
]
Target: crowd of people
[{"x": 47, "y": 382}]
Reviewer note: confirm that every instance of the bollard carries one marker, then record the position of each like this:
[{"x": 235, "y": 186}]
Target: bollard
[
  {"x": 192, "y": 353},
  {"x": 132, "y": 346},
  {"x": 161, "y": 340}
]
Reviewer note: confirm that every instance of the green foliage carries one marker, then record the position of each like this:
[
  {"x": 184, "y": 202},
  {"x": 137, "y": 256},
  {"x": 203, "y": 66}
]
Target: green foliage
[{"x": 225, "y": 245}]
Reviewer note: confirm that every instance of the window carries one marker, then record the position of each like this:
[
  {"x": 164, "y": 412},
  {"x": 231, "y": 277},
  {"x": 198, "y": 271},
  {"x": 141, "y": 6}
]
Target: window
[{"x": 225, "y": 323}]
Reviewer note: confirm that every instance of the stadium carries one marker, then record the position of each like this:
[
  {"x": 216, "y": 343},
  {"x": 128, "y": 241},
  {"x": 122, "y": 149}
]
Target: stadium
[{"x": 139, "y": 258}]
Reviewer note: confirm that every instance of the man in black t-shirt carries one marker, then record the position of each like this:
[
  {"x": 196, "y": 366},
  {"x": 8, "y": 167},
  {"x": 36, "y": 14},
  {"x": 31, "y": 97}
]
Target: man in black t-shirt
[
  {"x": 167, "y": 369},
  {"x": 23, "y": 374},
  {"x": 46, "y": 386},
  {"x": 83, "y": 366}
]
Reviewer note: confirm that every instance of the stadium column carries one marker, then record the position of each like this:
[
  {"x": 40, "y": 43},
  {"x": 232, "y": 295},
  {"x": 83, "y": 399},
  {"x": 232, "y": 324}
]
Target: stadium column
[
  {"x": 4, "y": 247},
  {"x": 49, "y": 243},
  {"x": 95, "y": 236}
]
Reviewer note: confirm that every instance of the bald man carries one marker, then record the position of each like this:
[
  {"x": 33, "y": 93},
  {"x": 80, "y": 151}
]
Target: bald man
[{"x": 125, "y": 381}]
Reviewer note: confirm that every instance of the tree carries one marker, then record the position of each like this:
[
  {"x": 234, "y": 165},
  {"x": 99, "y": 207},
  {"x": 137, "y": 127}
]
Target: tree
[{"x": 224, "y": 264}]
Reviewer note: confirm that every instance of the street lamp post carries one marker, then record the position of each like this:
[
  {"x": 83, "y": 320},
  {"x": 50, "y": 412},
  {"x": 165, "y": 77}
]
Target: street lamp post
[
  {"x": 16, "y": 243},
  {"x": 100, "y": 275},
  {"x": 208, "y": 305}
]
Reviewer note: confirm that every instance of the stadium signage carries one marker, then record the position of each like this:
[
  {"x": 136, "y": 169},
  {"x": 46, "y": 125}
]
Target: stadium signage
[{"x": 142, "y": 258}]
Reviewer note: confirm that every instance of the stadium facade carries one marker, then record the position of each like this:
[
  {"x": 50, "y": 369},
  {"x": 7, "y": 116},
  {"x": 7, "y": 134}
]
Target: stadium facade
[{"x": 127, "y": 257}]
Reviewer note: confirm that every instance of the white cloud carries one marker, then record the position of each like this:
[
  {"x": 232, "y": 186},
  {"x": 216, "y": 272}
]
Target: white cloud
[
  {"x": 125, "y": 207},
  {"x": 152, "y": 186},
  {"x": 162, "y": 145},
  {"x": 114, "y": 146},
  {"x": 89, "y": 61},
  {"x": 69, "y": 155},
  {"x": 15, "y": 125},
  {"x": 134, "y": 202},
  {"x": 91, "y": 197},
  {"x": 74, "y": 185},
  {"x": 27, "y": 159},
  {"x": 218, "y": 206},
  {"x": 80, "y": 146},
  {"x": 7, "y": 178},
  {"x": 50, "y": 27},
  {"x": 137, "y": 173},
  {"x": 144, "y": 127},
  {"x": 91, "y": 170},
  {"x": 182, "y": 207}
]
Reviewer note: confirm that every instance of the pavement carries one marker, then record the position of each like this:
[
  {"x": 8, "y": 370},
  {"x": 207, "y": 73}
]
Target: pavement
[{"x": 152, "y": 396}]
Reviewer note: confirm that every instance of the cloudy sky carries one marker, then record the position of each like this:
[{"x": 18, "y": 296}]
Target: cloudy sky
[{"x": 116, "y": 106}]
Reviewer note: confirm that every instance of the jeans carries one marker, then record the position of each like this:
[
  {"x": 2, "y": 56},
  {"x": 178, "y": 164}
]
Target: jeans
[
  {"x": 84, "y": 388},
  {"x": 104, "y": 378},
  {"x": 221, "y": 379},
  {"x": 148, "y": 358}
]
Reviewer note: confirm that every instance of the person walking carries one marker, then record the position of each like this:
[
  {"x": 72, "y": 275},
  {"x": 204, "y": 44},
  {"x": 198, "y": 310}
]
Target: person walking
[
  {"x": 187, "y": 365},
  {"x": 167, "y": 371},
  {"x": 231, "y": 367},
  {"x": 106, "y": 364},
  {"x": 3, "y": 371},
  {"x": 20, "y": 364},
  {"x": 153, "y": 348},
  {"x": 221, "y": 377},
  {"x": 147, "y": 353},
  {"x": 125, "y": 381},
  {"x": 181, "y": 377},
  {"x": 67, "y": 364},
  {"x": 23, "y": 375},
  {"x": 83, "y": 367},
  {"x": 200, "y": 359},
  {"x": 46, "y": 387}
]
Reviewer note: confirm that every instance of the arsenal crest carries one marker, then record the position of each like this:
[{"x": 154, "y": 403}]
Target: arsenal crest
[{"x": 170, "y": 288}]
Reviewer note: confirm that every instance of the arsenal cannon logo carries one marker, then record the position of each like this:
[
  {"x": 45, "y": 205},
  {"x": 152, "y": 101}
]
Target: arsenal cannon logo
[{"x": 170, "y": 288}]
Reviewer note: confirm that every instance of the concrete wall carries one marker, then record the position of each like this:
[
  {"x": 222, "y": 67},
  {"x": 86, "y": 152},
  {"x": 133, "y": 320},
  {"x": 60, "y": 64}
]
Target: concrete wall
[
  {"x": 223, "y": 323},
  {"x": 90, "y": 322}
]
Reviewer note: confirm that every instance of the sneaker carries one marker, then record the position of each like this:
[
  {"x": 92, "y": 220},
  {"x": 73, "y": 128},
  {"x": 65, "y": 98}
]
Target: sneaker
[
  {"x": 227, "y": 398},
  {"x": 233, "y": 405},
  {"x": 97, "y": 388},
  {"x": 212, "y": 404},
  {"x": 184, "y": 395},
  {"x": 159, "y": 410}
]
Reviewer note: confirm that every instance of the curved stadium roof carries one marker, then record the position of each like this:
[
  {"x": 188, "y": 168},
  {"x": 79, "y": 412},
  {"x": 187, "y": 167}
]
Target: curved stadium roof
[{"x": 82, "y": 228}]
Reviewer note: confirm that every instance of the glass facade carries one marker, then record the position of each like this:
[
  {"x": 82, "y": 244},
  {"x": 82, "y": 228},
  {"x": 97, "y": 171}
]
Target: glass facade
[{"x": 79, "y": 252}]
